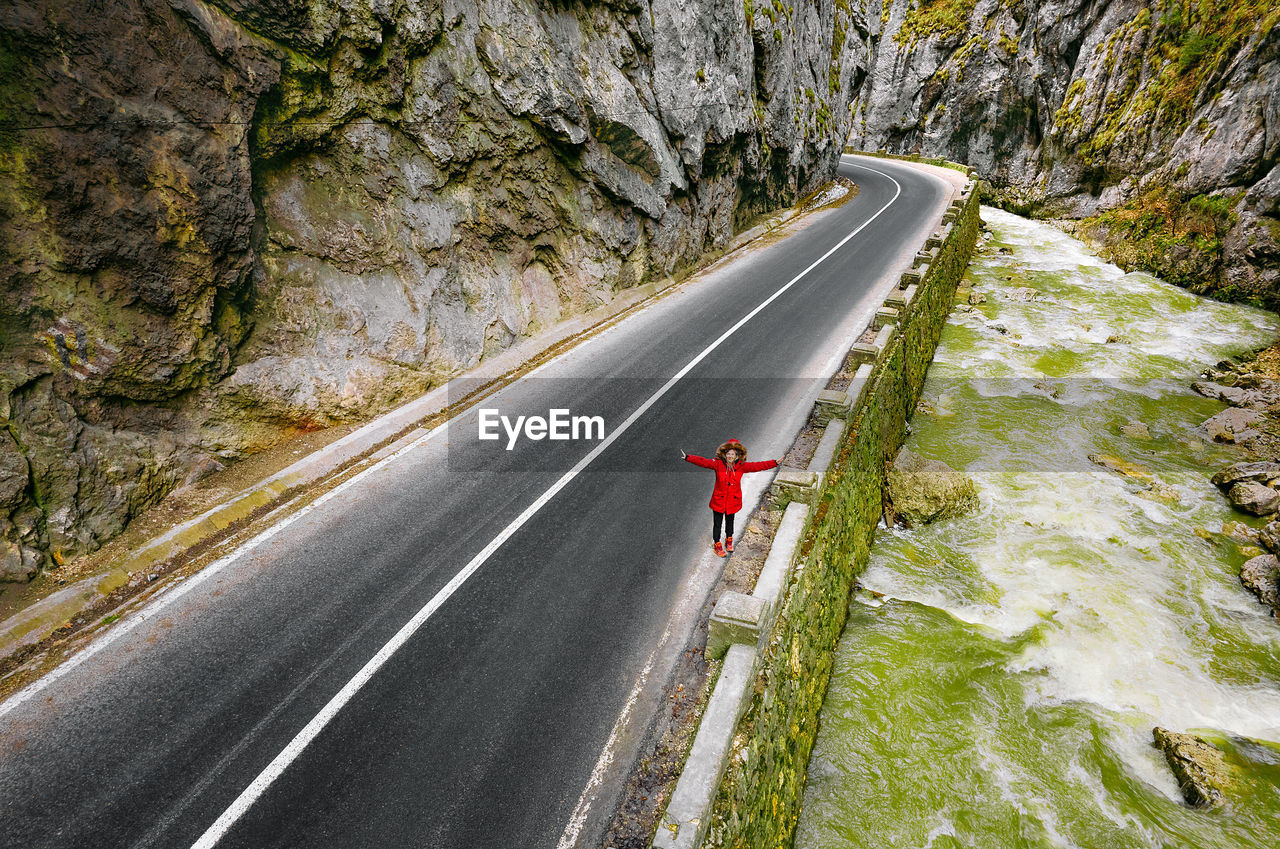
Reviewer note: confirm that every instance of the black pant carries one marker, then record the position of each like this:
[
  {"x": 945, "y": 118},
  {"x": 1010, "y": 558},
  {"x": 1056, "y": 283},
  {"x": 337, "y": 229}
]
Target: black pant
[{"x": 715, "y": 524}]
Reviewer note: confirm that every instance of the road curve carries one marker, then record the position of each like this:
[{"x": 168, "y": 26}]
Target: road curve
[{"x": 484, "y": 726}]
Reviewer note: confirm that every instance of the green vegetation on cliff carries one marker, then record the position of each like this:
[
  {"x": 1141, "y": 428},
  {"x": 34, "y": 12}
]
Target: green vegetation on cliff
[
  {"x": 1178, "y": 239},
  {"x": 1160, "y": 64},
  {"x": 928, "y": 18}
]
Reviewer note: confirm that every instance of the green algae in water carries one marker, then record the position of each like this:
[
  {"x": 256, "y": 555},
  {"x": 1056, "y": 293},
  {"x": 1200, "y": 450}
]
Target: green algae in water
[{"x": 1005, "y": 692}]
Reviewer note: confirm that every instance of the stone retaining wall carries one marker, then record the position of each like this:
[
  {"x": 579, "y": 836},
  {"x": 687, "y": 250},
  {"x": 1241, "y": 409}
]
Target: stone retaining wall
[
  {"x": 907, "y": 157},
  {"x": 752, "y": 750}
]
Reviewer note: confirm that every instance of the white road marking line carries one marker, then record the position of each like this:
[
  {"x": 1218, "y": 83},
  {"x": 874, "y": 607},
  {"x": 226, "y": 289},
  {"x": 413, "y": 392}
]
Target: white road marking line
[
  {"x": 579, "y": 817},
  {"x": 313, "y": 728}
]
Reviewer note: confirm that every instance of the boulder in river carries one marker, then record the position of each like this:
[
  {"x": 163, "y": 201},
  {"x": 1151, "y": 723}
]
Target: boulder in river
[
  {"x": 1233, "y": 395},
  {"x": 1255, "y": 498},
  {"x": 923, "y": 491},
  {"x": 1270, "y": 537},
  {"x": 1263, "y": 471},
  {"x": 1262, "y": 576},
  {"x": 1199, "y": 766},
  {"x": 1136, "y": 430},
  {"x": 1232, "y": 425},
  {"x": 1121, "y": 466},
  {"x": 1241, "y": 533},
  {"x": 976, "y": 298}
]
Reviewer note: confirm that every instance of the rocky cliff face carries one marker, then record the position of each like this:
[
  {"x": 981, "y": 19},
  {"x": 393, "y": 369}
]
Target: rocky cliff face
[
  {"x": 1156, "y": 121},
  {"x": 221, "y": 220}
]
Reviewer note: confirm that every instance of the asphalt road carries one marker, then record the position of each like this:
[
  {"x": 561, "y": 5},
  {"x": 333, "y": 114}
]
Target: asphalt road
[{"x": 485, "y": 725}]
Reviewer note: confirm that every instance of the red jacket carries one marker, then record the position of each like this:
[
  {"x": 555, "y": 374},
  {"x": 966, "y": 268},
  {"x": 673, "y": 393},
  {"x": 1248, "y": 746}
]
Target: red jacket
[{"x": 727, "y": 496}]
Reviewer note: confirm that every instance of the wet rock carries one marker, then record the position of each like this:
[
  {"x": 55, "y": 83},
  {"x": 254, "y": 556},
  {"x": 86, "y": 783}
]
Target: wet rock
[
  {"x": 976, "y": 298},
  {"x": 1199, "y": 766},
  {"x": 1159, "y": 491},
  {"x": 1262, "y": 576},
  {"x": 1116, "y": 339},
  {"x": 1121, "y": 466},
  {"x": 923, "y": 490},
  {"x": 1022, "y": 293},
  {"x": 1233, "y": 395},
  {"x": 1052, "y": 390},
  {"x": 963, "y": 308},
  {"x": 1263, "y": 471},
  {"x": 1232, "y": 425},
  {"x": 1254, "y": 498},
  {"x": 1270, "y": 537},
  {"x": 1136, "y": 430},
  {"x": 1241, "y": 533}
]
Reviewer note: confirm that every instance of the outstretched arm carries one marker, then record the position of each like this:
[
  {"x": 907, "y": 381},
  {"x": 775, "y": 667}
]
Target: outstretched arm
[
  {"x": 698, "y": 461},
  {"x": 759, "y": 465}
]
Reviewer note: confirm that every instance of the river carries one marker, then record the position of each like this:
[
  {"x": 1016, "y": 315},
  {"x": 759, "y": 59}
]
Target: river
[{"x": 1000, "y": 674}]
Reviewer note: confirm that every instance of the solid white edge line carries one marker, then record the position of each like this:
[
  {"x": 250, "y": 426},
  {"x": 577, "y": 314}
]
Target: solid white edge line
[{"x": 313, "y": 728}]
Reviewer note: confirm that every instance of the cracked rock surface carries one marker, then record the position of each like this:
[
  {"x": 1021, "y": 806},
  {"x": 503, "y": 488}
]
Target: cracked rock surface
[
  {"x": 225, "y": 222},
  {"x": 1201, "y": 770},
  {"x": 1157, "y": 122}
]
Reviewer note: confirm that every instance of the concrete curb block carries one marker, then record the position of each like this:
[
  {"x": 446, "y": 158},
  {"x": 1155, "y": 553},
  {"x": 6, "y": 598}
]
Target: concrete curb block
[
  {"x": 826, "y": 450},
  {"x": 40, "y": 619},
  {"x": 885, "y": 316},
  {"x": 777, "y": 565},
  {"x": 685, "y": 822}
]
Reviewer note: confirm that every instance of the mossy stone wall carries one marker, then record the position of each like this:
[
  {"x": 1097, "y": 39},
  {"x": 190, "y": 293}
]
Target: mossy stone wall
[{"x": 758, "y": 803}]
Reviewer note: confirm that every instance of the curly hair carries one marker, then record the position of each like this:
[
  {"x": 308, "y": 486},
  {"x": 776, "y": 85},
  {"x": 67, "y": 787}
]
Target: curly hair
[{"x": 723, "y": 450}]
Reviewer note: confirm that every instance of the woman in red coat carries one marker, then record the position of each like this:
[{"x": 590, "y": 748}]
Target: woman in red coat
[{"x": 726, "y": 499}]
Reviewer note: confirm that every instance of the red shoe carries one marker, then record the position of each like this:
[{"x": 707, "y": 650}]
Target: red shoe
[
  {"x": 728, "y": 544},
  {"x": 718, "y": 548}
]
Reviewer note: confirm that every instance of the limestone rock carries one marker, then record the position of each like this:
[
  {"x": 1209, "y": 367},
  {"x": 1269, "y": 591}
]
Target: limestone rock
[
  {"x": 1269, "y": 536},
  {"x": 1121, "y": 466},
  {"x": 1236, "y": 396},
  {"x": 1262, "y": 576},
  {"x": 1241, "y": 533},
  {"x": 1160, "y": 491},
  {"x": 248, "y": 218},
  {"x": 13, "y": 471},
  {"x": 1136, "y": 430},
  {"x": 923, "y": 490},
  {"x": 1030, "y": 95},
  {"x": 1254, "y": 498},
  {"x": 1199, "y": 766},
  {"x": 976, "y": 298},
  {"x": 1265, "y": 472},
  {"x": 17, "y": 562},
  {"x": 1232, "y": 425}
]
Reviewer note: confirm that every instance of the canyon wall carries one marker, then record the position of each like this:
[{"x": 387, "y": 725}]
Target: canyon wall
[
  {"x": 1154, "y": 122},
  {"x": 225, "y": 221}
]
